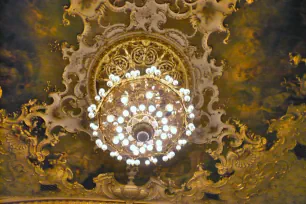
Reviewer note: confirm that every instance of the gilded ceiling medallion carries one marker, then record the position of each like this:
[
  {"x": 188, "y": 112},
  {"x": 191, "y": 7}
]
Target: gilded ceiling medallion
[
  {"x": 143, "y": 111},
  {"x": 138, "y": 50}
]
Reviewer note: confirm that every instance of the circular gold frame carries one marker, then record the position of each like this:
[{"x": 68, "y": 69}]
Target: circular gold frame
[
  {"x": 105, "y": 55},
  {"x": 170, "y": 147}
]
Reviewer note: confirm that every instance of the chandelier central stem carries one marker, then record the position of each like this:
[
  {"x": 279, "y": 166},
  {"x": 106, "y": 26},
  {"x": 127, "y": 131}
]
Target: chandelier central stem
[{"x": 143, "y": 132}]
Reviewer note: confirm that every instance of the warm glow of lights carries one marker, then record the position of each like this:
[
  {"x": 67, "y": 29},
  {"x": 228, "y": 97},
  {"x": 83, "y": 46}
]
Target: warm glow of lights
[{"x": 142, "y": 118}]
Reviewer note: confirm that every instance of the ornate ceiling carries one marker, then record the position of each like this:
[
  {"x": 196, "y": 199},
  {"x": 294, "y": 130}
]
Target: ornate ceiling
[{"x": 240, "y": 59}]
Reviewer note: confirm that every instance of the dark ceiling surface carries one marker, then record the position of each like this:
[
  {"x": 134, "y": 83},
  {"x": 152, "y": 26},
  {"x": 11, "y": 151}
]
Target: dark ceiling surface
[{"x": 258, "y": 84}]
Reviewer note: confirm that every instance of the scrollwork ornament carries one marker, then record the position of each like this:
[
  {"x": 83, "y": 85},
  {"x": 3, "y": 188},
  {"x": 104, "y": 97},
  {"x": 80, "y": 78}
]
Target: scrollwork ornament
[{"x": 145, "y": 40}]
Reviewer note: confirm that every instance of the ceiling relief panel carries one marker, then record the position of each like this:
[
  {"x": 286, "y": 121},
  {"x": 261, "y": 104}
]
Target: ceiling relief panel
[
  {"x": 46, "y": 149},
  {"x": 148, "y": 20}
]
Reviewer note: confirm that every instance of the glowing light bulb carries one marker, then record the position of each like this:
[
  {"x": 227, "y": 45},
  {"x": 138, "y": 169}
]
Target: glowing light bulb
[
  {"x": 121, "y": 136},
  {"x": 104, "y": 147},
  {"x": 159, "y": 143},
  {"x": 142, "y": 107},
  {"x": 133, "y": 147},
  {"x": 150, "y": 147},
  {"x": 175, "y": 82},
  {"x": 142, "y": 150},
  {"x": 125, "y": 142},
  {"x": 171, "y": 155},
  {"x": 173, "y": 130},
  {"x": 97, "y": 98},
  {"x": 147, "y": 162},
  {"x": 109, "y": 84},
  {"x": 127, "y": 75},
  {"x": 153, "y": 68},
  {"x": 124, "y": 99},
  {"x": 159, "y": 114},
  {"x": 95, "y": 133},
  {"x": 119, "y": 129},
  {"x": 182, "y": 90},
  {"x": 148, "y": 71},
  {"x": 170, "y": 80},
  {"x": 178, "y": 147},
  {"x": 186, "y": 92},
  {"x": 149, "y": 95},
  {"x": 165, "y": 158},
  {"x": 91, "y": 115},
  {"x": 165, "y": 128},
  {"x": 93, "y": 107},
  {"x": 125, "y": 113},
  {"x": 188, "y": 133},
  {"x": 110, "y": 118},
  {"x": 111, "y": 76},
  {"x": 187, "y": 98},
  {"x": 155, "y": 160},
  {"x": 115, "y": 140},
  {"x": 164, "y": 121},
  {"x": 191, "y": 115},
  {"x": 93, "y": 126},
  {"x": 120, "y": 120},
  {"x": 117, "y": 79},
  {"x": 136, "y": 152},
  {"x": 133, "y": 73},
  {"x": 133, "y": 109},
  {"x": 101, "y": 92},
  {"x": 191, "y": 126},
  {"x": 159, "y": 148},
  {"x": 99, "y": 143},
  {"x": 137, "y": 162},
  {"x": 167, "y": 77},
  {"x": 169, "y": 107},
  {"x": 190, "y": 108},
  {"x": 157, "y": 72},
  {"x": 152, "y": 108},
  {"x": 163, "y": 136},
  {"x": 119, "y": 158}
]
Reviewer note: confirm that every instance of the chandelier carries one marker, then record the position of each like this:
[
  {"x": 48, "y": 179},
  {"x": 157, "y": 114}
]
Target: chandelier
[{"x": 142, "y": 117}]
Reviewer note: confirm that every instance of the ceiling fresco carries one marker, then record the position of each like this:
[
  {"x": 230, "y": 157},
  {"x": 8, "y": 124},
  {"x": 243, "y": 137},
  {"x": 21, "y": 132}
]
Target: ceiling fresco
[{"x": 243, "y": 60}]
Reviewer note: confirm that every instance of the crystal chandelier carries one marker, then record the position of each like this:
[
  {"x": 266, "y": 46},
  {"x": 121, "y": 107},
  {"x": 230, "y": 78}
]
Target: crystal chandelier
[{"x": 142, "y": 117}]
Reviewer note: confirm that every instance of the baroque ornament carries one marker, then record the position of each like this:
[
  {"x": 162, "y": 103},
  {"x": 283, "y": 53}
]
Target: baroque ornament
[{"x": 146, "y": 49}]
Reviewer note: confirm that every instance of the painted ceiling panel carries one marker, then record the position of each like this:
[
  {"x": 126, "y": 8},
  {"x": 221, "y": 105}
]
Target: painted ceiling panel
[{"x": 244, "y": 62}]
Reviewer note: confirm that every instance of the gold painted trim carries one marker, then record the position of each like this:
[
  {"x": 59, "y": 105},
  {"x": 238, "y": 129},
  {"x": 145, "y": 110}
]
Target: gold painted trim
[
  {"x": 132, "y": 37},
  {"x": 62, "y": 200}
]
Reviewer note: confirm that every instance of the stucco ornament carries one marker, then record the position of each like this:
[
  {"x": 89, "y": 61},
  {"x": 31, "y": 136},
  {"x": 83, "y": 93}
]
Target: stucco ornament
[
  {"x": 145, "y": 33},
  {"x": 148, "y": 22}
]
